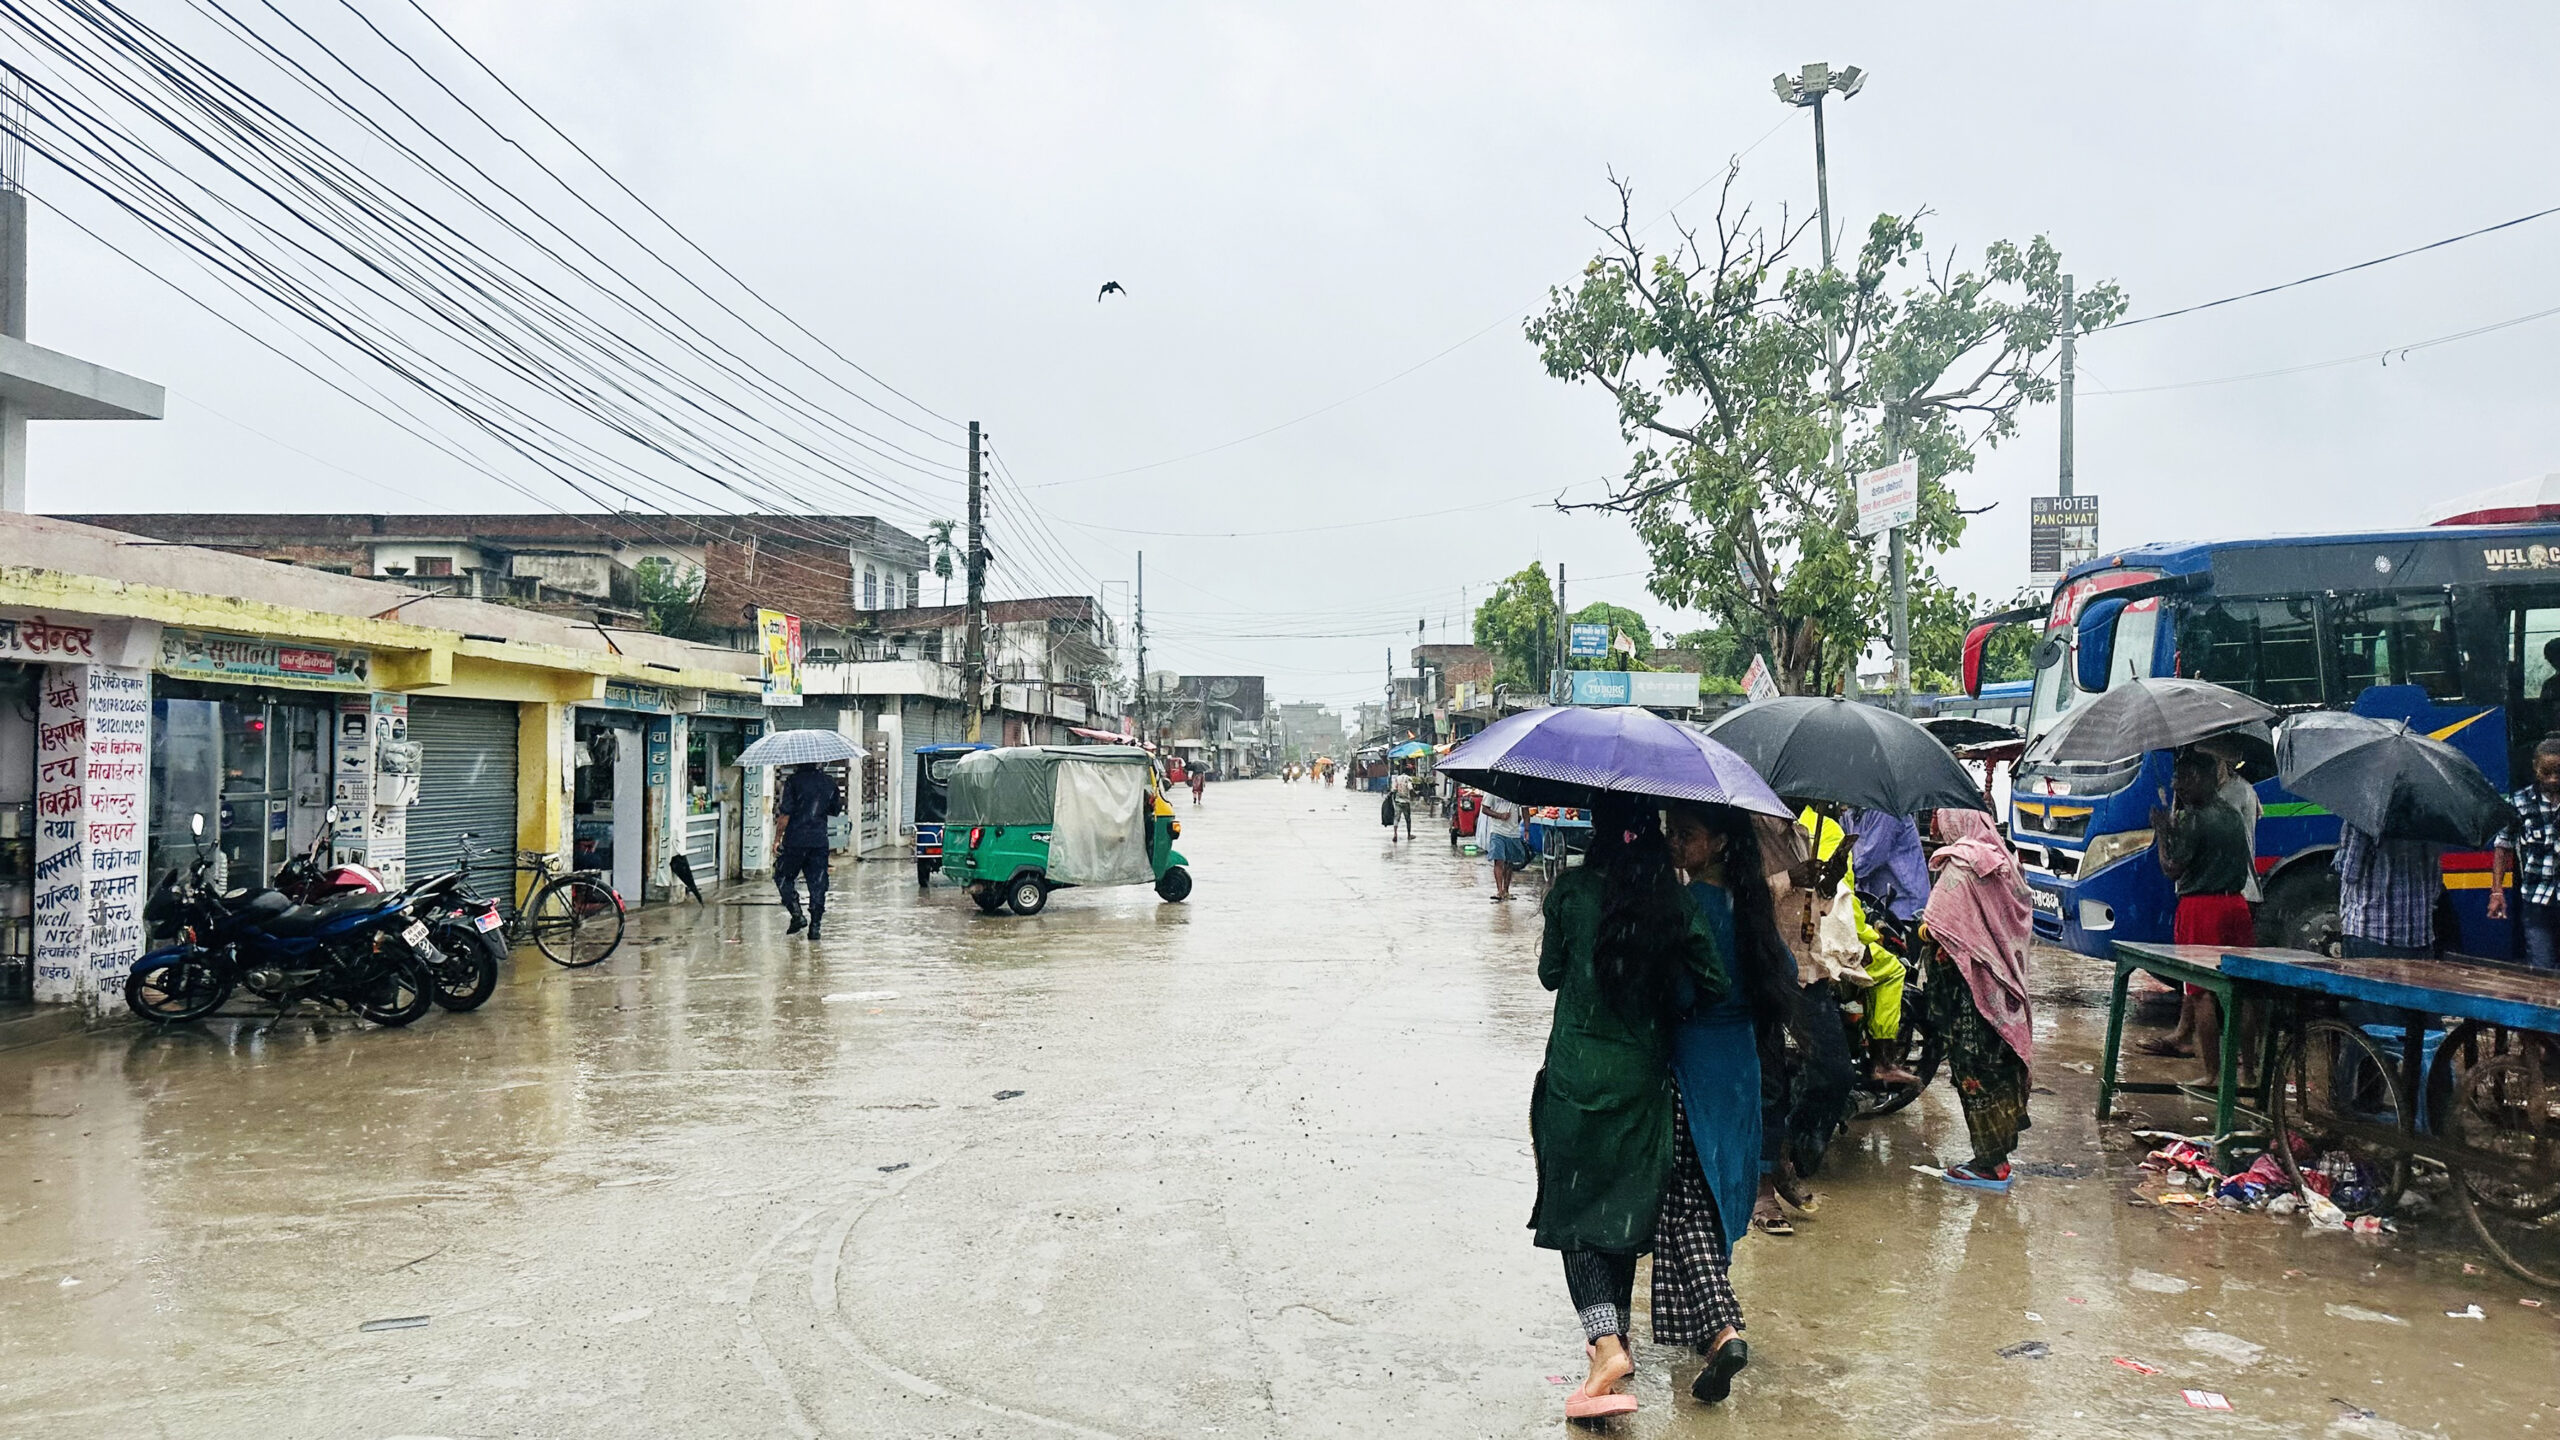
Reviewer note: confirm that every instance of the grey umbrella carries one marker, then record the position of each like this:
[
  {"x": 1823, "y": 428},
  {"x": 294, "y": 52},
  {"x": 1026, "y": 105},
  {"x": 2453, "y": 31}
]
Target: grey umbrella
[
  {"x": 2160, "y": 713},
  {"x": 2388, "y": 780},
  {"x": 1811, "y": 747},
  {"x": 799, "y": 747}
]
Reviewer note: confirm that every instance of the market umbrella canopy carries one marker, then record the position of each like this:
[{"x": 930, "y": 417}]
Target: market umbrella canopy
[
  {"x": 1409, "y": 750},
  {"x": 2388, "y": 780},
  {"x": 2134, "y": 717},
  {"x": 1562, "y": 755},
  {"x": 799, "y": 747},
  {"x": 1866, "y": 757}
]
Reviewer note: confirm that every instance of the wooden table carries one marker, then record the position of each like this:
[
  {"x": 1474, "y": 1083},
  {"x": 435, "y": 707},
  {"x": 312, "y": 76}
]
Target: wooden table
[{"x": 2203, "y": 966}]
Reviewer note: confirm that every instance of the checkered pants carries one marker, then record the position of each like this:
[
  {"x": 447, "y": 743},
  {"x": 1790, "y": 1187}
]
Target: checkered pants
[{"x": 1692, "y": 1292}]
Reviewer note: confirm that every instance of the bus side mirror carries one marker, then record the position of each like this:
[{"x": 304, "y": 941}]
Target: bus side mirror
[
  {"x": 2097, "y": 645},
  {"x": 1974, "y": 641}
]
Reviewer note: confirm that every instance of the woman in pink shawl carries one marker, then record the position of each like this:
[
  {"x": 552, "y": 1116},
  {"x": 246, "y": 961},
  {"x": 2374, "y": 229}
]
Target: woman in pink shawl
[{"x": 1978, "y": 926}]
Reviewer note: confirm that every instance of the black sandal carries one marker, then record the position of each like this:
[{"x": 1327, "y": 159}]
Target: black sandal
[{"x": 1716, "y": 1381}]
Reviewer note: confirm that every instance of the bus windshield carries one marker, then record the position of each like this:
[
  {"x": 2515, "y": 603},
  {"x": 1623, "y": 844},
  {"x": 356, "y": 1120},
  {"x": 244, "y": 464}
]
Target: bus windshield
[{"x": 2137, "y": 630}]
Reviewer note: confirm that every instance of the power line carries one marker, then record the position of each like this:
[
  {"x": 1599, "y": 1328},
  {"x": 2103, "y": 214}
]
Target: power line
[
  {"x": 2384, "y": 355},
  {"x": 2331, "y": 274}
]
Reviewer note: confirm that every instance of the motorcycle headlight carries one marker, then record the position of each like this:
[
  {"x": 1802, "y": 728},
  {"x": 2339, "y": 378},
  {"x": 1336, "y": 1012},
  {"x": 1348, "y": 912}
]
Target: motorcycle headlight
[{"x": 2105, "y": 850}]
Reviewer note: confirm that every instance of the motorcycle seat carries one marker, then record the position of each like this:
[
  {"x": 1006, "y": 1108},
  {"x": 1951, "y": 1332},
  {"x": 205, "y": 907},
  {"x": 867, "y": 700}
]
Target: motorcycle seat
[{"x": 304, "y": 919}]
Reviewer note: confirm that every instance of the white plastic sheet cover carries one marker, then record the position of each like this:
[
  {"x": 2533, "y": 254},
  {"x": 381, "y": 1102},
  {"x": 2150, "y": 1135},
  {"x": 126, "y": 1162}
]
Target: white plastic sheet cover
[{"x": 1098, "y": 835}]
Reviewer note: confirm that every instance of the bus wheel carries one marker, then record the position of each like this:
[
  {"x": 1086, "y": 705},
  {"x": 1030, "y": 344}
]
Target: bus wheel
[{"x": 2301, "y": 911}]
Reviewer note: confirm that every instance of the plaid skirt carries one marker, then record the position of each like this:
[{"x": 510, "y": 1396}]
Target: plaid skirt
[{"x": 1692, "y": 1290}]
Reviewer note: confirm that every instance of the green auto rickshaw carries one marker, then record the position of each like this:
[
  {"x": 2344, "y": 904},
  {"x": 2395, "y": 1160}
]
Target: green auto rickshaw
[{"x": 1024, "y": 820}]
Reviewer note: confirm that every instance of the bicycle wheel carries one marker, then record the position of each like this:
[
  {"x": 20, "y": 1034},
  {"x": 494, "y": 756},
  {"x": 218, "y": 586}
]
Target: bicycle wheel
[
  {"x": 2501, "y": 1103},
  {"x": 2335, "y": 1092},
  {"x": 576, "y": 920}
]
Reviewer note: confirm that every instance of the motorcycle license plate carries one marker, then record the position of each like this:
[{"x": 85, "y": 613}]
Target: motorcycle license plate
[
  {"x": 416, "y": 934},
  {"x": 487, "y": 920}
]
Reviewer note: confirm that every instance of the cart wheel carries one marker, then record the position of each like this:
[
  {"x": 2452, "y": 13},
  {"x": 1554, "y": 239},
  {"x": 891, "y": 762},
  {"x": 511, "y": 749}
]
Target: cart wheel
[
  {"x": 1027, "y": 895},
  {"x": 2500, "y": 1102},
  {"x": 1174, "y": 885},
  {"x": 2331, "y": 1080}
]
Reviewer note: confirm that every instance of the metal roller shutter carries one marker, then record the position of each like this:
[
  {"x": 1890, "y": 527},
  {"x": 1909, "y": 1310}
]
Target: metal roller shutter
[{"x": 466, "y": 782}]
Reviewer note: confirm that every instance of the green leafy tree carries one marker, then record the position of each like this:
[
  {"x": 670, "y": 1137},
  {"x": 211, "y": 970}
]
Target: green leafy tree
[
  {"x": 1714, "y": 352},
  {"x": 1620, "y": 620},
  {"x": 669, "y": 597},
  {"x": 1517, "y": 623},
  {"x": 938, "y": 540}
]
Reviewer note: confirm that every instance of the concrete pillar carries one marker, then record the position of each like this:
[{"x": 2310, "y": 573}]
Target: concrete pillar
[{"x": 543, "y": 776}]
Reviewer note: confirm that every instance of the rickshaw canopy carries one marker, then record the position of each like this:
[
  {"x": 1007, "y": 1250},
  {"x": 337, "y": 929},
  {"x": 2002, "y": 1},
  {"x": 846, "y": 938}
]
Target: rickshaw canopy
[{"x": 1018, "y": 784}]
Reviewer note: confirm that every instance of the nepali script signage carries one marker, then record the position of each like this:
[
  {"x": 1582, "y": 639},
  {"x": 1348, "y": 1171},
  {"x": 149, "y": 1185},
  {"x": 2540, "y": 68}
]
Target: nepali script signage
[
  {"x": 42, "y": 639},
  {"x": 93, "y": 762},
  {"x": 241, "y": 660}
]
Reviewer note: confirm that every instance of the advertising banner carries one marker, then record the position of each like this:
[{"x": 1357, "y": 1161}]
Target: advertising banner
[
  {"x": 1587, "y": 640},
  {"x": 2062, "y": 531},
  {"x": 239, "y": 659},
  {"x": 1668, "y": 689},
  {"x": 1889, "y": 498},
  {"x": 1757, "y": 683},
  {"x": 779, "y": 637}
]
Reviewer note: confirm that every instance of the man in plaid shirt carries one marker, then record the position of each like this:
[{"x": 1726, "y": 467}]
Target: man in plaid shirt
[
  {"x": 2531, "y": 847},
  {"x": 2387, "y": 893}
]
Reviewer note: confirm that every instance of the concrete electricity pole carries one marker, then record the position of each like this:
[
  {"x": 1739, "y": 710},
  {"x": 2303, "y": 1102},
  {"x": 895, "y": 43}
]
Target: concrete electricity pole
[
  {"x": 1564, "y": 633},
  {"x": 974, "y": 663},
  {"x": 1143, "y": 733},
  {"x": 2070, "y": 337}
]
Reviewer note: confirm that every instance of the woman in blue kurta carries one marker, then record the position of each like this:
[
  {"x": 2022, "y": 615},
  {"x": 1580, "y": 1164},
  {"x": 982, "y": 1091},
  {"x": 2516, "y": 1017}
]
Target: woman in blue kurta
[{"x": 1716, "y": 1055}]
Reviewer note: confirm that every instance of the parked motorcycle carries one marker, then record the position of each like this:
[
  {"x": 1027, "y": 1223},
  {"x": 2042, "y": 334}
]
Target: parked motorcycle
[
  {"x": 306, "y": 879},
  {"x": 364, "y": 951},
  {"x": 1920, "y": 1050},
  {"x": 467, "y": 933}
]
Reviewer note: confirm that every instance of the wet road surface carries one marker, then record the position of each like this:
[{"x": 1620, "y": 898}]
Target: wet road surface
[{"x": 1266, "y": 1175}]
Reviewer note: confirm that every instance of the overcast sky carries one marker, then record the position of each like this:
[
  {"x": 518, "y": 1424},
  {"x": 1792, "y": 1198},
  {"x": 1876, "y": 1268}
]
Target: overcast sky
[{"x": 1304, "y": 200}]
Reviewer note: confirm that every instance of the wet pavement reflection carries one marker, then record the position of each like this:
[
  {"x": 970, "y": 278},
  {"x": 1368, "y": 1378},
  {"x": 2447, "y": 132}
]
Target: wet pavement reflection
[{"x": 1266, "y": 1173}]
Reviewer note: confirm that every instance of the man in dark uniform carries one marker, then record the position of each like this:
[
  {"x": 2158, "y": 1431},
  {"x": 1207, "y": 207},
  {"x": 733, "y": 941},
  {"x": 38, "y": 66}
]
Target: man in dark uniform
[{"x": 800, "y": 813}]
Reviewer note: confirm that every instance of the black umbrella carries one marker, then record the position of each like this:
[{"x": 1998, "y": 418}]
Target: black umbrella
[
  {"x": 1862, "y": 756},
  {"x": 1957, "y": 731},
  {"x": 2135, "y": 716},
  {"x": 2388, "y": 780}
]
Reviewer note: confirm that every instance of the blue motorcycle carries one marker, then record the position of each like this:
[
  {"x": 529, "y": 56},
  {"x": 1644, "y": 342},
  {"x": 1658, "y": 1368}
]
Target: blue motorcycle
[{"x": 363, "y": 952}]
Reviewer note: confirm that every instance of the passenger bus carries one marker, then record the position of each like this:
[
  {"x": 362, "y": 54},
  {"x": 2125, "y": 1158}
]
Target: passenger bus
[{"x": 2453, "y": 629}]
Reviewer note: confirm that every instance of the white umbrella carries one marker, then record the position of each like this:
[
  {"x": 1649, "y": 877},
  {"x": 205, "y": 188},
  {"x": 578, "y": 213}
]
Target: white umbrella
[{"x": 799, "y": 747}]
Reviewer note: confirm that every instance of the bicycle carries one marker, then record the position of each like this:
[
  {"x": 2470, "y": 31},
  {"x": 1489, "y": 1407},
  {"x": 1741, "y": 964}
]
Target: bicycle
[{"x": 574, "y": 918}]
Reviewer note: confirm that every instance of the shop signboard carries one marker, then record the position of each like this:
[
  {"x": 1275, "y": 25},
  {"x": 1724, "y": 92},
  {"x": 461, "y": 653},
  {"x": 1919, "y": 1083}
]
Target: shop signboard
[
  {"x": 2062, "y": 531},
  {"x": 778, "y": 637},
  {"x": 660, "y": 749},
  {"x": 722, "y": 702},
  {"x": 624, "y": 695},
  {"x": 1585, "y": 641},
  {"x": 42, "y": 638},
  {"x": 1668, "y": 689},
  {"x": 242, "y": 660}
]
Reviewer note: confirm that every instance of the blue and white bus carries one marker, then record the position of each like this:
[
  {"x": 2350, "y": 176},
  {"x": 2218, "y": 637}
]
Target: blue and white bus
[{"x": 2454, "y": 629}]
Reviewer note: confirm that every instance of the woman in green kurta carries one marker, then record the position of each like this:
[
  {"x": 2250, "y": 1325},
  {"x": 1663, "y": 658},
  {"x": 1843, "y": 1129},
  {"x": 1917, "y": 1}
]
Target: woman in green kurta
[{"x": 1626, "y": 952}]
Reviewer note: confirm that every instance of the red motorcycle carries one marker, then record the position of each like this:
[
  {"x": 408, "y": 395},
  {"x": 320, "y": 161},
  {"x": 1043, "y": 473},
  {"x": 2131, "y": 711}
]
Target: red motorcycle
[{"x": 306, "y": 879}]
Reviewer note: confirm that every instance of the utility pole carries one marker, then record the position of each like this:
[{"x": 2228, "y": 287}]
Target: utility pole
[
  {"x": 974, "y": 664},
  {"x": 1564, "y": 631},
  {"x": 2070, "y": 337},
  {"x": 1142, "y": 645}
]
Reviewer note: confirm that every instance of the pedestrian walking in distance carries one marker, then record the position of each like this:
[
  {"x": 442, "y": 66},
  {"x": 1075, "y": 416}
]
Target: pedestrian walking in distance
[
  {"x": 1717, "y": 1055},
  {"x": 2530, "y": 850},
  {"x": 800, "y": 815},
  {"x": 1503, "y": 841},
  {"x": 1978, "y": 926},
  {"x": 1400, "y": 795},
  {"x": 1199, "y": 785},
  {"x": 1626, "y": 952}
]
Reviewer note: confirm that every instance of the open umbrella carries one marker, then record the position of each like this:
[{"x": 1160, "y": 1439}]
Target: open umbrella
[
  {"x": 1866, "y": 757},
  {"x": 1562, "y": 754},
  {"x": 2388, "y": 780},
  {"x": 1409, "y": 750},
  {"x": 2133, "y": 717},
  {"x": 799, "y": 747}
]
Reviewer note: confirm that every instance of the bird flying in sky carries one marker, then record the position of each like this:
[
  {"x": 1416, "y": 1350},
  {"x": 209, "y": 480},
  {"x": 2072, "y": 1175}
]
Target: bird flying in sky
[{"x": 1109, "y": 287}]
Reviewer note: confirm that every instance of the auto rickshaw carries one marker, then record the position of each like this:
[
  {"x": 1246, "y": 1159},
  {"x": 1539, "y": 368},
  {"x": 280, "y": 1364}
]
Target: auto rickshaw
[
  {"x": 1028, "y": 819},
  {"x": 933, "y": 783}
]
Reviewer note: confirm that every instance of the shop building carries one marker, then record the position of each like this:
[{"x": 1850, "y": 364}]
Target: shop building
[{"x": 144, "y": 684}]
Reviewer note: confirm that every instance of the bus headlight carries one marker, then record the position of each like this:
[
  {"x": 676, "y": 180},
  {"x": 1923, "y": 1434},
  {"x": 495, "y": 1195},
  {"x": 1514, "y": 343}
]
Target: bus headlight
[{"x": 2105, "y": 850}]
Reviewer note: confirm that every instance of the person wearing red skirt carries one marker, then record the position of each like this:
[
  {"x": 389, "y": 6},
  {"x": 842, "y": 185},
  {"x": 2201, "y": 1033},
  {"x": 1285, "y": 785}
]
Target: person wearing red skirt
[{"x": 2204, "y": 850}]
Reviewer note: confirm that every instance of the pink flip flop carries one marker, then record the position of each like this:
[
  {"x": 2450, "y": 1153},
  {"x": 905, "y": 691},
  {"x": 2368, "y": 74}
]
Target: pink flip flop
[{"x": 1578, "y": 1406}]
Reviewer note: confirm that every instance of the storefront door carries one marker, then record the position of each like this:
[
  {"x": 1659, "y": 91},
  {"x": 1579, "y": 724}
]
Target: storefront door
[
  {"x": 256, "y": 767},
  {"x": 610, "y": 811}
]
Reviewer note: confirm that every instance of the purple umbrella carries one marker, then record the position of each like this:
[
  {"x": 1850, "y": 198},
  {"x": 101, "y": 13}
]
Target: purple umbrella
[{"x": 1560, "y": 755}]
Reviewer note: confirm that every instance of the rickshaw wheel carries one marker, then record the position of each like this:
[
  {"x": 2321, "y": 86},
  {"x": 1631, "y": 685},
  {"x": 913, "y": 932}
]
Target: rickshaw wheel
[
  {"x": 1174, "y": 885},
  {"x": 2502, "y": 1099},
  {"x": 990, "y": 902},
  {"x": 1027, "y": 895}
]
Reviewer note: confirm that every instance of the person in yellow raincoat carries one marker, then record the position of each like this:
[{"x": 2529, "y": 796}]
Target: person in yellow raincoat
[{"x": 1885, "y": 971}]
